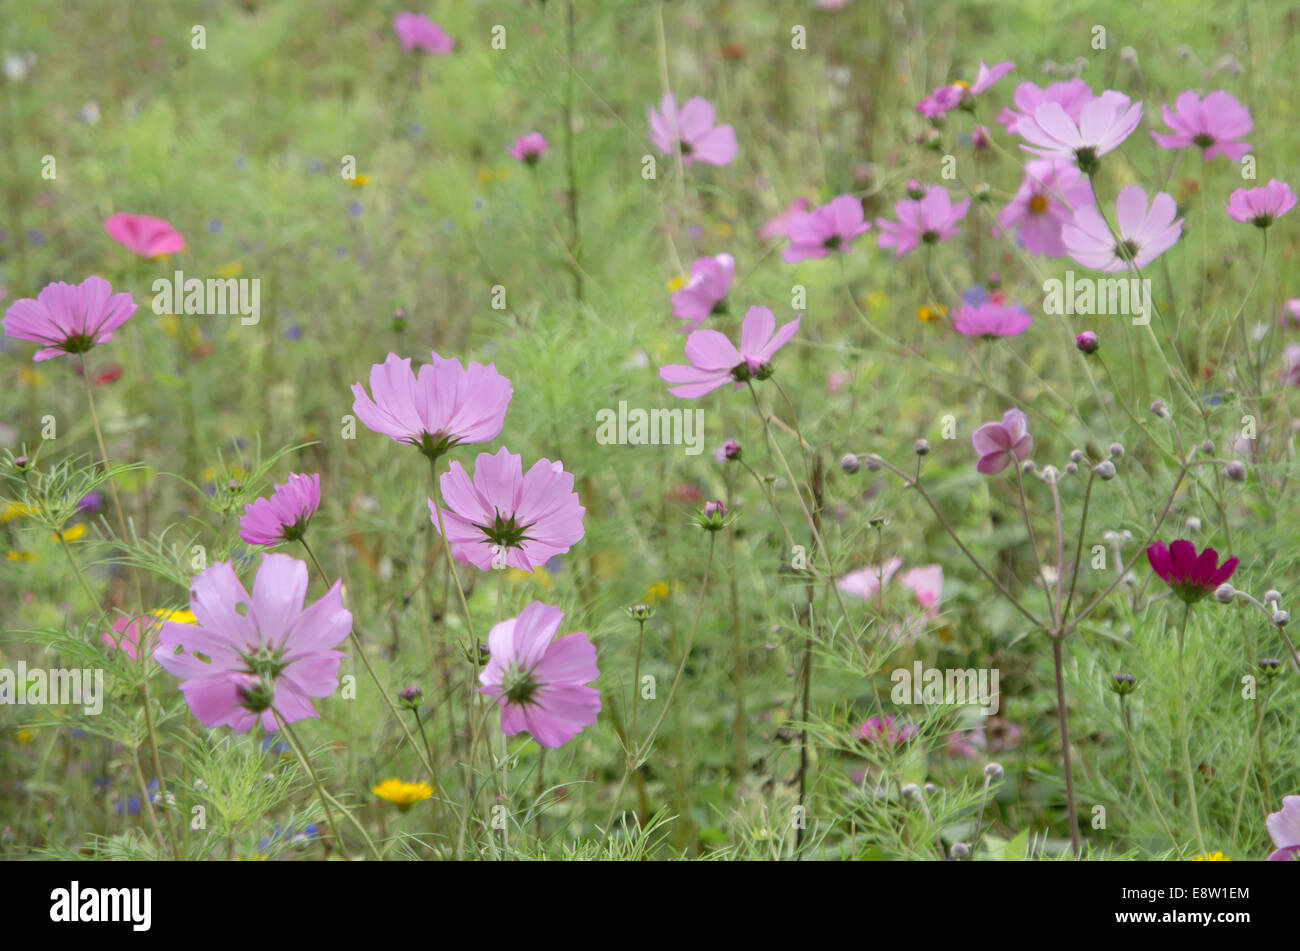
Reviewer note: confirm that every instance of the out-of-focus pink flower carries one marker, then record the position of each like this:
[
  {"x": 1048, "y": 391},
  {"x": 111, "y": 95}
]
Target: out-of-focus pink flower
[
  {"x": 443, "y": 406},
  {"x": 284, "y": 516},
  {"x": 1291, "y": 312},
  {"x": 832, "y": 227},
  {"x": 1143, "y": 234},
  {"x": 1000, "y": 444},
  {"x": 1291, "y": 364},
  {"x": 1103, "y": 124},
  {"x": 949, "y": 97},
  {"x": 1213, "y": 125},
  {"x": 415, "y": 31},
  {"x": 1037, "y": 210},
  {"x": 886, "y": 730},
  {"x": 715, "y": 361},
  {"x": 926, "y": 582},
  {"x": 838, "y": 380},
  {"x": 144, "y": 235},
  {"x": 779, "y": 227},
  {"x": 127, "y": 631},
  {"x": 250, "y": 656},
  {"x": 1284, "y": 828},
  {"x": 992, "y": 320},
  {"x": 69, "y": 318},
  {"x": 1261, "y": 206},
  {"x": 705, "y": 293},
  {"x": 1071, "y": 95},
  {"x": 540, "y": 681},
  {"x": 528, "y": 148},
  {"x": 865, "y": 583},
  {"x": 926, "y": 221},
  {"x": 505, "y": 517},
  {"x": 691, "y": 130}
]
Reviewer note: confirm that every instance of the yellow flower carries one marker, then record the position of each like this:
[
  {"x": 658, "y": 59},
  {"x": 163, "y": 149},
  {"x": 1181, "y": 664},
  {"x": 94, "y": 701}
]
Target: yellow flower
[
  {"x": 258, "y": 857},
  {"x": 233, "y": 269},
  {"x": 402, "y": 794},
  {"x": 724, "y": 230},
  {"x": 71, "y": 534},
  {"x": 877, "y": 300},
  {"x": 21, "y": 555},
  {"x": 357, "y": 181},
  {"x": 178, "y": 617},
  {"x": 656, "y": 591},
  {"x": 30, "y": 377},
  {"x": 540, "y": 575},
  {"x": 676, "y": 283},
  {"x": 171, "y": 324},
  {"x": 26, "y": 736},
  {"x": 1212, "y": 857},
  {"x": 925, "y": 314},
  {"x": 13, "y": 510}
]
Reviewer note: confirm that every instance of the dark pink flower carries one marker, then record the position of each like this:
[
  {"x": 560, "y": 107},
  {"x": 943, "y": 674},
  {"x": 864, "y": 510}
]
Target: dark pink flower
[
  {"x": 284, "y": 516},
  {"x": 1071, "y": 95},
  {"x": 528, "y": 148},
  {"x": 886, "y": 730},
  {"x": 1001, "y": 444},
  {"x": 415, "y": 31},
  {"x": 69, "y": 318},
  {"x": 691, "y": 130},
  {"x": 928, "y": 220},
  {"x": 715, "y": 361},
  {"x": 1212, "y": 125},
  {"x": 992, "y": 320},
  {"x": 705, "y": 294},
  {"x": 1144, "y": 234},
  {"x": 1189, "y": 575},
  {"x": 832, "y": 227},
  {"x": 1037, "y": 208},
  {"x": 1261, "y": 206},
  {"x": 540, "y": 681},
  {"x": 144, "y": 235}
]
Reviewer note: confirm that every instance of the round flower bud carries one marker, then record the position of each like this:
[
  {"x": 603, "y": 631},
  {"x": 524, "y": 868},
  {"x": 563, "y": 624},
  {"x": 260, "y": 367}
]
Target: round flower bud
[
  {"x": 930, "y": 789},
  {"x": 921, "y": 447},
  {"x": 1270, "y": 667},
  {"x": 850, "y": 463},
  {"x": 1028, "y": 467},
  {"x": 1116, "y": 450},
  {"x": 959, "y": 851},
  {"x": 1272, "y": 597},
  {"x": 1076, "y": 455},
  {"x": 1051, "y": 475},
  {"x": 1158, "y": 408},
  {"x": 1192, "y": 524},
  {"x": 1235, "y": 471},
  {"x": 993, "y": 772},
  {"x": 1281, "y": 618},
  {"x": 1087, "y": 342},
  {"x": 1071, "y": 468},
  {"x": 1225, "y": 593},
  {"x": 1123, "y": 684},
  {"x": 411, "y": 697},
  {"x": 640, "y": 612},
  {"x": 1207, "y": 447},
  {"x": 21, "y": 462},
  {"x": 1105, "y": 470},
  {"x": 873, "y": 462},
  {"x": 912, "y": 791}
]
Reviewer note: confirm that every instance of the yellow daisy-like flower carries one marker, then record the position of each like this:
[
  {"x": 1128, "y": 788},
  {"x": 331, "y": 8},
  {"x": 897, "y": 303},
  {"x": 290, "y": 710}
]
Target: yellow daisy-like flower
[
  {"x": 656, "y": 592},
  {"x": 182, "y": 616},
  {"x": 21, "y": 555},
  {"x": 925, "y": 314},
  {"x": 357, "y": 181},
  {"x": 233, "y": 269},
  {"x": 70, "y": 534},
  {"x": 401, "y": 793},
  {"x": 26, "y": 736},
  {"x": 30, "y": 377},
  {"x": 676, "y": 284},
  {"x": 13, "y": 510},
  {"x": 1212, "y": 857}
]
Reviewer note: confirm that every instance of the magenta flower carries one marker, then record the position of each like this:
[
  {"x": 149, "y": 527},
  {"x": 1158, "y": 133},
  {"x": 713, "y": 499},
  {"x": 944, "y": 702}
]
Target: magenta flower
[
  {"x": 963, "y": 94},
  {"x": 415, "y": 31},
  {"x": 69, "y": 318},
  {"x": 1212, "y": 125},
  {"x": 1071, "y": 95},
  {"x": 928, "y": 220},
  {"x": 832, "y": 227},
  {"x": 692, "y": 131},
  {"x": 529, "y": 148},
  {"x": 1103, "y": 124},
  {"x": 1261, "y": 206},
  {"x": 248, "y": 656},
  {"x": 1190, "y": 576},
  {"x": 444, "y": 406},
  {"x": 284, "y": 516},
  {"x": 1037, "y": 209},
  {"x": 715, "y": 361},
  {"x": 705, "y": 294},
  {"x": 1000, "y": 444},
  {"x": 1144, "y": 234},
  {"x": 539, "y": 681},
  {"x": 1284, "y": 828},
  {"x": 886, "y": 730},
  {"x": 506, "y": 518},
  {"x": 992, "y": 320},
  {"x": 779, "y": 227},
  {"x": 144, "y": 235}
]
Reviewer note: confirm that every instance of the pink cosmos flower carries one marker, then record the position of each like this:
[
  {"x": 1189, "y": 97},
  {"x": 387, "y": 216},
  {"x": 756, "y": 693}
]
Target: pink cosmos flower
[
  {"x": 539, "y": 681},
  {"x": 69, "y": 318},
  {"x": 507, "y": 518},
  {"x": 284, "y": 516},
  {"x": 715, "y": 361},
  {"x": 832, "y": 227},
  {"x": 705, "y": 294},
  {"x": 1291, "y": 312},
  {"x": 528, "y": 148},
  {"x": 779, "y": 227},
  {"x": 144, "y": 235},
  {"x": 415, "y": 31},
  {"x": 1143, "y": 234},
  {"x": 926, "y": 583},
  {"x": 1291, "y": 364},
  {"x": 886, "y": 730},
  {"x": 1190, "y": 576},
  {"x": 1103, "y": 124},
  {"x": 444, "y": 406},
  {"x": 248, "y": 656},
  {"x": 1261, "y": 206},
  {"x": 1284, "y": 828},
  {"x": 1212, "y": 125},
  {"x": 992, "y": 320},
  {"x": 928, "y": 220},
  {"x": 865, "y": 583},
  {"x": 692, "y": 130},
  {"x": 1071, "y": 95},
  {"x": 946, "y": 98},
  {"x": 1000, "y": 444},
  {"x": 1037, "y": 210},
  {"x": 127, "y": 631}
]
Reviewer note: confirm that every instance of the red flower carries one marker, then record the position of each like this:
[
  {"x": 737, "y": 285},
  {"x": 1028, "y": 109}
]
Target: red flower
[{"x": 1189, "y": 575}]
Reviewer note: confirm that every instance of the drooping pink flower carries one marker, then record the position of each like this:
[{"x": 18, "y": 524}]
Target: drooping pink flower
[
  {"x": 1284, "y": 828},
  {"x": 415, "y": 31},
  {"x": 1001, "y": 444},
  {"x": 540, "y": 681},
  {"x": 1189, "y": 575},
  {"x": 886, "y": 730},
  {"x": 1144, "y": 234},
  {"x": 443, "y": 406},
  {"x": 779, "y": 227},
  {"x": 865, "y": 583},
  {"x": 691, "y": 130},
  {"x": 960, "y": 93},
  {"x": 1103, "y": 124},
  {"x": 992, "y": 320},
  {"x": 715, "y": 361},
  {"x": 928, "y": 220},
  {"x": 528, "y": 148},
  {"x": 284, "y": 516},
  {"x": 248, "y": 656},
  {"x": 144, "y": 235},
  {"x": 1037, "y": 209},
  {"x": 69, "y": 318},
  {"x": 1071, "y": 95},
  {"x": 832, "y": 227},
  {"x": 705, "y": 294},
  {"x": 1261, "y": 206},
  {"x": 1213, "y": 125},
  {"x": 505, "y": 517}
]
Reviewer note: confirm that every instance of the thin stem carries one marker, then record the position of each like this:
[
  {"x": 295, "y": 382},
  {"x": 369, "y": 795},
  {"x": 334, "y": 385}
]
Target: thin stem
[
  {"x": 320, "y": 791},
  {"x": 1064, "y": 728},
  {"x": 1182, "y": 736}
]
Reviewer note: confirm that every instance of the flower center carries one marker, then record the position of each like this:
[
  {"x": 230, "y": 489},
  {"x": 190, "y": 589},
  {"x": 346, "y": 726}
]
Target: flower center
[
  {"x": 1126, "y": 250},
  {"x": 518, "y": 685},
  {"x": 930, "y": 237},
  {"x": 1038, "y": 204},
  {"x": 687, "y": 148},
  {"x": 434, "y": 445},
  {"x": 505, "y": 532},
  {"x": 833, "y": 242},
  {"x": 1087, "y": 159},
  {"x": 1204, "y": 140},
  {"x": 78, "y": 343}
]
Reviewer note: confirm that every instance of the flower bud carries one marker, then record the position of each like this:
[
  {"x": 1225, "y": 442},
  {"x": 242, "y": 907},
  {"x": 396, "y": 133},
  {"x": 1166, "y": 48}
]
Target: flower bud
[
  {"x": 850, "y": 463},
  {"x": 921, "y": 447},
  {"x": 411, "y": 697},
  {"x": 1123, "y": 684},
  {"x": 993, "y": 772},
  {"x": 912, "y": 791},
  {"x": 1225, "y": 593},
  {"x": 640, "y": 612},
  {"x": 1051, "y": 475},
  {"x": 1270, "y": 667},
  {"x": 1272, "y": 597},
  {"x": 1235, "y": 471},
  {"x": 1076, "y": 455},
  {"x": 21, "y": 462},
  {"x": 1071, "y": 468},
  {"x": 1087, "y": 342},
  {"x": 1027, "y": 467},
  {"x": 1116, "y": 450},
  {"x": 1192, "y": 524},
  {"x": 1158, "y": 408},
  {"x": 959, "y": 851},
  {"x": 714, "y": 516},
  {"x": 1105, "y": 470},
  {"x": 1281, "y": 618},
  {"x": 872, "y": 461},
  {"x": 729, "y": 451}
]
